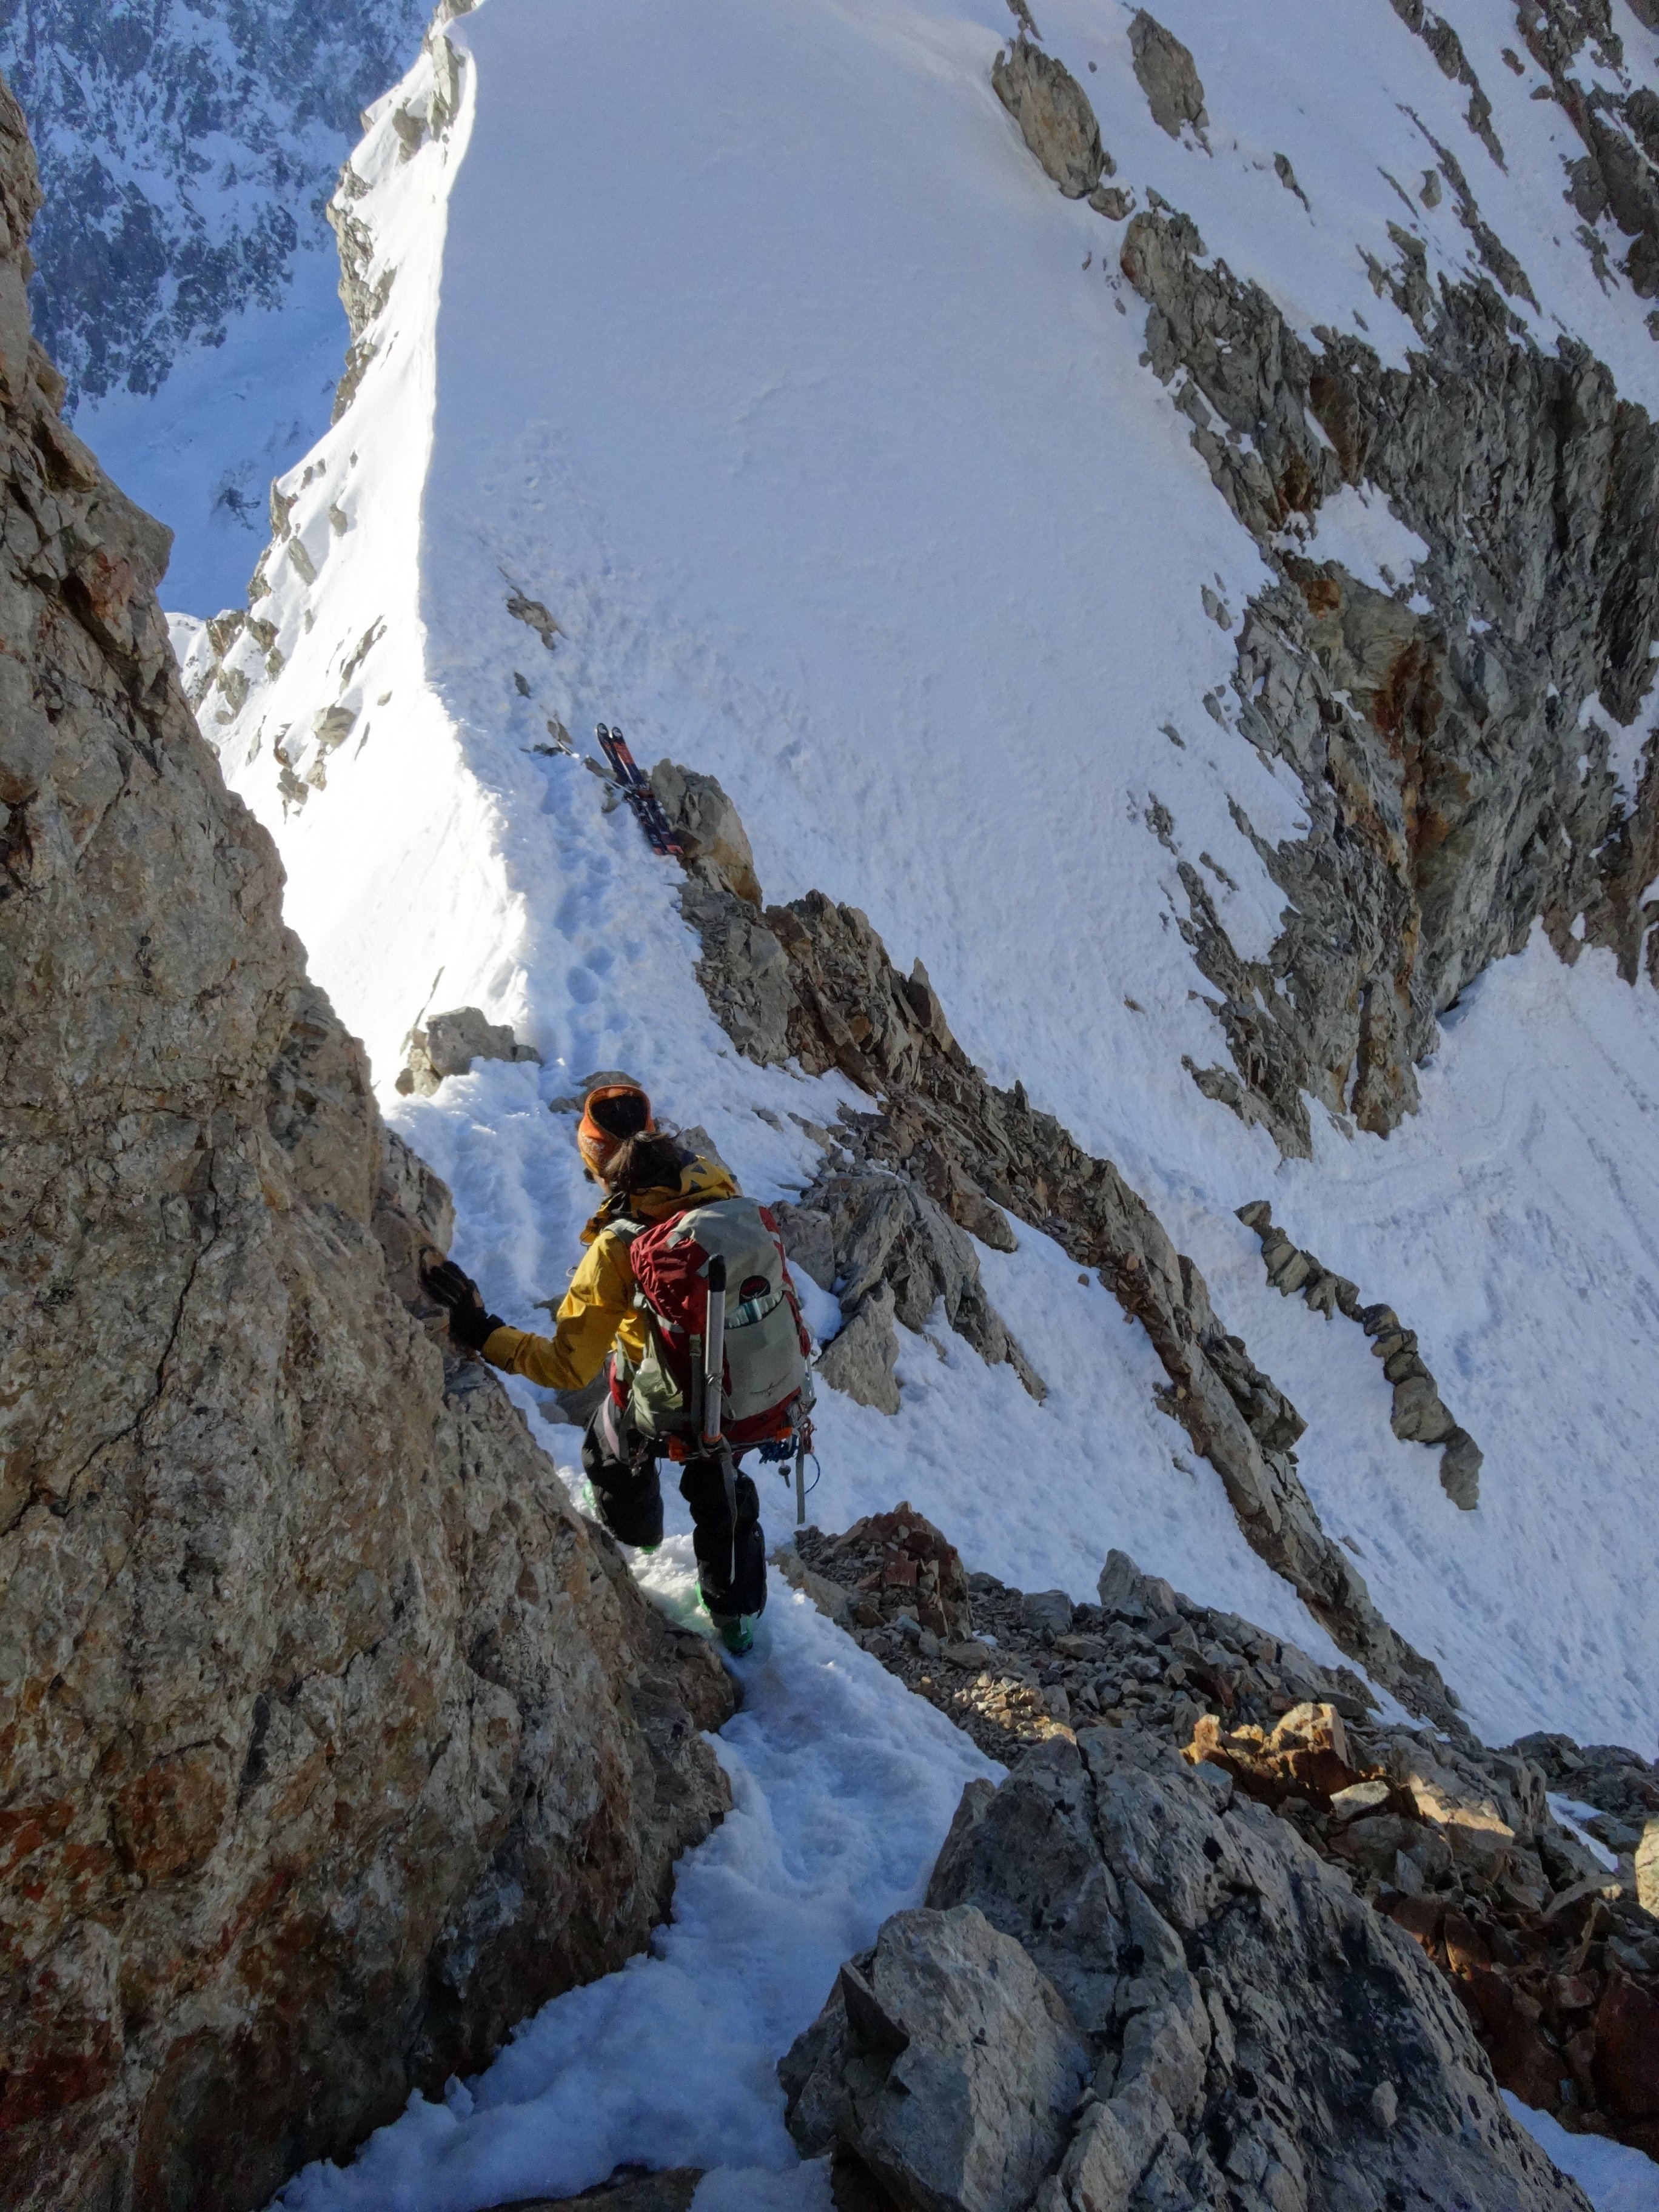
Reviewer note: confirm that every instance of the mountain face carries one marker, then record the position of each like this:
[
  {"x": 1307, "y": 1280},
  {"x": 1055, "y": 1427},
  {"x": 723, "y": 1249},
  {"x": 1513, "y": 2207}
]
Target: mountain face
[
  {"x": 1136, "y": 571},
  {"x": 332, "y": 1739},
  {"x": 1130, "y": 541},
  {"x": 185, "y": 153},
  {"x": 185, "y": 279}
]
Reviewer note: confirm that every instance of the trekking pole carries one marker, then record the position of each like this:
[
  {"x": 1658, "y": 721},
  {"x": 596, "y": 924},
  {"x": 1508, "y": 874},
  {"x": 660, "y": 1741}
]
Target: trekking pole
[{"x": 713, "y": 1376}]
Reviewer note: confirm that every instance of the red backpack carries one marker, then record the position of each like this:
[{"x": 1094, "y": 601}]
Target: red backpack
[{"x": 766, "y": 1342}]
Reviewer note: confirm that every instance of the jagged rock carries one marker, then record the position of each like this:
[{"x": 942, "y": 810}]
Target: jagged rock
[
  {"x": 844, "y": 1006},
  {"x": 808, "y": 1240},
  {"x": 1046, "y": 1610},
  {"x": 332, "y": 727},
  {"x": 1113, "y": 202},
  {"x": 1446, "y": 868},
  {"x": 860, "y": 1360},
  {"x": 1460, "y": 1470},
  {"x": 1418, "y": 1414},
  {"x": 1528, "y": 1932},
  {"x": 709, "y": 827},
  {"x": 1166, "y": 73},
  {"x": 450, "y": 1043},
  {"x": 335, "y": 1741},
  {"x": 881, "y": 1229},
  {"x": 1052, "y": 111},
  {"x": 830, "y": 1598},
  {"x": 944, "y": 2063},
  {"x": 1126, "y": 1592},
  {"x": 1238, "y": 1959},
  {"x": 1419, "y": 1417}
]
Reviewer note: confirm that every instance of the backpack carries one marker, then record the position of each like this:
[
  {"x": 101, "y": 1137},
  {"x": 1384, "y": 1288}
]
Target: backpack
[{"x": 767, "y": 1343}]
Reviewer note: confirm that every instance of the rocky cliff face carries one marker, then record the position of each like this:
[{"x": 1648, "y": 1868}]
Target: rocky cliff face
[
  {"x": 1456, "y": 795},
  {"x": 332, "y": 1739}
]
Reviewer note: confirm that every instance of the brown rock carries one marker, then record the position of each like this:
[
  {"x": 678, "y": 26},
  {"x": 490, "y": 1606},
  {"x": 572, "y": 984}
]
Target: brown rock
[
  {"x": 333, "y": 1740},
  {"x": 1627, "y": 2050},
  {"x": 1053, "y": 114}
]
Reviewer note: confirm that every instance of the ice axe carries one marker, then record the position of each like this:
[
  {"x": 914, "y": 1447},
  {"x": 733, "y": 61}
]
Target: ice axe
[{"x": 713, "y": 1380}]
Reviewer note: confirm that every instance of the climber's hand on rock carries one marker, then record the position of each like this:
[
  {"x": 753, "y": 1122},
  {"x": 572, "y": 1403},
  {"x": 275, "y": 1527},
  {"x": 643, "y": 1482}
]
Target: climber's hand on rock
[{"x": 455, "y": 1290}]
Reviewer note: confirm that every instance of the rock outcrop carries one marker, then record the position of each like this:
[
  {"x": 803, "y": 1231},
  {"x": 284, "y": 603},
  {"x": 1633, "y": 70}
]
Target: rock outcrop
[
  {"x": 1167, "y": 74},
  {"x": 1420, "y": 1415},
  {"x": 813, "y": 982},
  {"x": 1439, "y": 751},
  {"x": 1054, "y": 115},
  {"x": 1553, "y": 1959},
  {"x": 1252, "y": 2034},
  {"x": 1454, "y": 798},
  {"x": 333, "y": 1741},
  {"x": 448, "y": 1045}
]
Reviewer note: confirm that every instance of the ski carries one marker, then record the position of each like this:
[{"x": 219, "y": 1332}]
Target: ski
[{"x": 637, "y": 790}]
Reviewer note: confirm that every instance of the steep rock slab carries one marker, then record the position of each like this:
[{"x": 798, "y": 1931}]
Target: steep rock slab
[
  {"x": 1259, "y": 2037},
  {"x": 332, "y": 1739}
]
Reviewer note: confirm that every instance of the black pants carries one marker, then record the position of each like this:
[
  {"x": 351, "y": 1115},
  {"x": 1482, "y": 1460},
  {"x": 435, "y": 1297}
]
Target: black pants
[{"x": 629, "y": 1495}]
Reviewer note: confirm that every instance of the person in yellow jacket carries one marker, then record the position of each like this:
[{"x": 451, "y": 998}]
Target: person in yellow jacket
[{"x": 600, "y": 1326}]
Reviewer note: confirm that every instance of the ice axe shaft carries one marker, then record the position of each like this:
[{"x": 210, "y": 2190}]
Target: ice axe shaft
[
  {"x": 713, "y": 1381},
  {"x": 714, "y": 1354}
]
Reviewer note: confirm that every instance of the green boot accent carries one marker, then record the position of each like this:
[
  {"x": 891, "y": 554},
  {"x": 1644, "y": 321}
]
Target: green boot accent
[{"x": 735, "y": 1632}]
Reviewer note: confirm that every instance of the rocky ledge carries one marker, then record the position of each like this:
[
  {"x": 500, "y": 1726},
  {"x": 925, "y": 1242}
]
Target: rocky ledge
[{"x": 1551, "y": 1954}]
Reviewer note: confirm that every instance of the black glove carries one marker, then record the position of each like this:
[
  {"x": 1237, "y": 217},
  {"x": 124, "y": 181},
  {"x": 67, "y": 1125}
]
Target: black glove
[{"x": 469, "y": 1324}]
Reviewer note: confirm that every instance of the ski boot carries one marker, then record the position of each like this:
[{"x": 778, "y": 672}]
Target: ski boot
[{"x": 736, "y": 1632}]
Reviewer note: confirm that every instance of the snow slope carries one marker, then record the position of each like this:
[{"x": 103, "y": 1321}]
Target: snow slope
[
  {"x": 185, "y": 281},
  {"x": 751, "y": 344},
  {"x": 838, "y": 469},
  {"x": 843, "y": 1787}
]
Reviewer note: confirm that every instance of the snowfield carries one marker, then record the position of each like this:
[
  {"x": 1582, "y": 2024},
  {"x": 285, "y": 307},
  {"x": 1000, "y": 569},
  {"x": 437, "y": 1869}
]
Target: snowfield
[{"x": 751, "y": 345}]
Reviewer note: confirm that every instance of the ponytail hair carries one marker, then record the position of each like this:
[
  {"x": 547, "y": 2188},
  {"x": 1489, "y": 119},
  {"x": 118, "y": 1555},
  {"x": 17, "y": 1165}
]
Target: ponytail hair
[{"x": 646, "y": 1161}]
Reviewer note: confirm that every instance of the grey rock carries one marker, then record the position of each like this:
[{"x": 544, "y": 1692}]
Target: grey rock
[
  {"x": 1131, "y": 1595},
  {"x": 860, "y": 1360},
  {"x": 1050, "y": 1609},
  {"x": 709, "y": 827},
  {"x": 945, "y": 2064},
  {"x": 1167, "y": 75},
  {"x": 1419, "y": 1417},
  {"x": 1029, "y": 1862},
  {"x": 1492, "y": 830},
  {"x": 333, "y": 725},
  {"x": 1460, "y": 1470},
  {"x": 743, "y": 969},
  {"x": 944, "y": 1128},
  {"x": 450, "y": 1043},
  {"x": 1241, "y": 1960},
  {"x": 1112, "y": 200},
  {"x": 1053, "y": 114},
  {"x": 831, "y": 1599},
  {"x": 808, "y": 1240}
]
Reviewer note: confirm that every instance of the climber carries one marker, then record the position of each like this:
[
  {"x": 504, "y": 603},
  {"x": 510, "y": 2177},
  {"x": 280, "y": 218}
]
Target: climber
[{"x": 635, "y": 1308}]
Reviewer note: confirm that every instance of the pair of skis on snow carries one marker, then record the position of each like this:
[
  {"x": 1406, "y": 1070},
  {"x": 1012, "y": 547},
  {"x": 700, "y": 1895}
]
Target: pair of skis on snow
[{"x": 636, "y": 787}]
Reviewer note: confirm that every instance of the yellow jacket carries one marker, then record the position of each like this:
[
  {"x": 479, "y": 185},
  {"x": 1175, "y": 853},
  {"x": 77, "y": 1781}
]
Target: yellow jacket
[{"x": 599, "y": 1307}]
